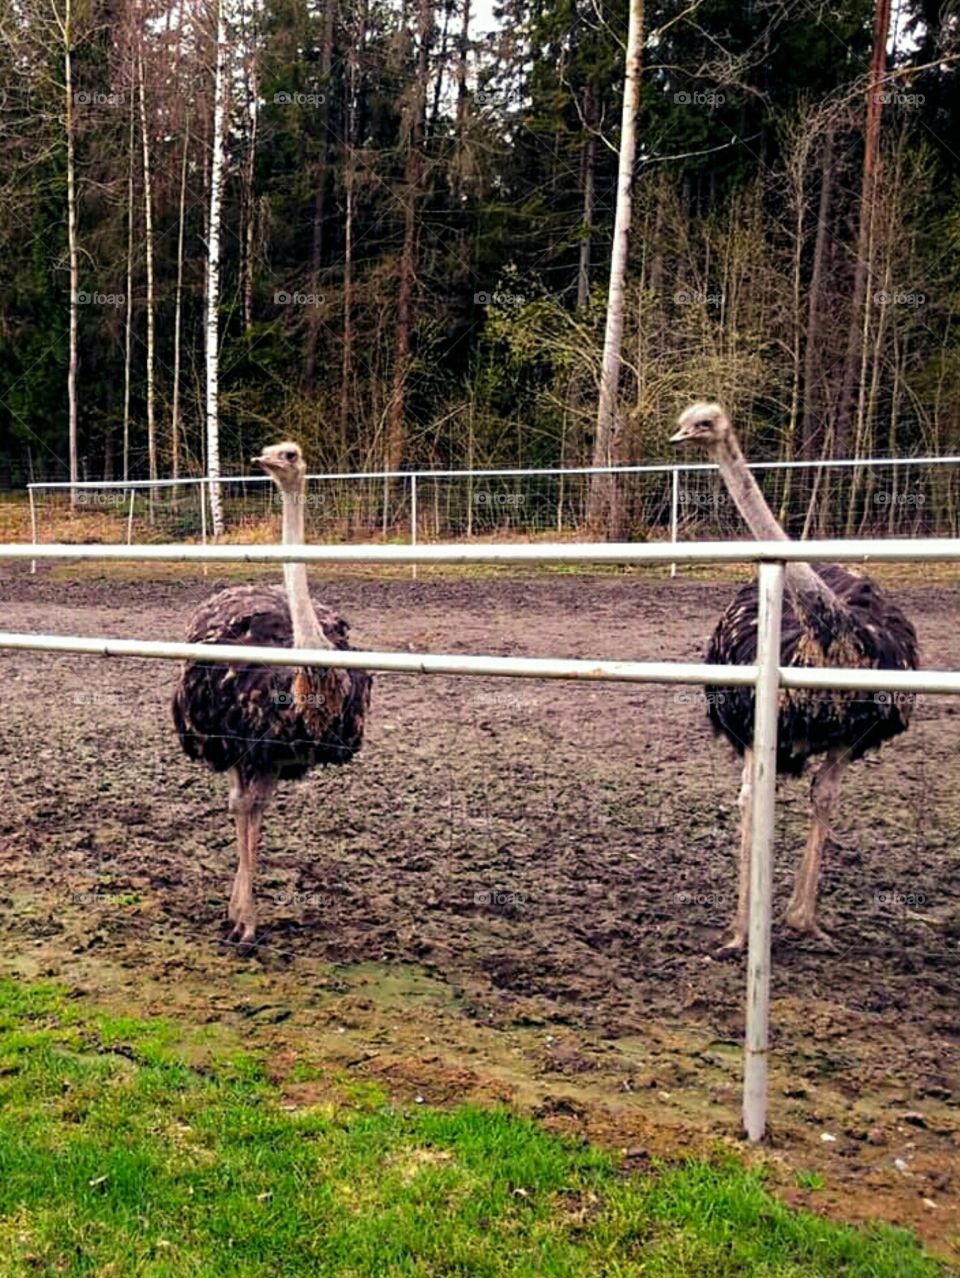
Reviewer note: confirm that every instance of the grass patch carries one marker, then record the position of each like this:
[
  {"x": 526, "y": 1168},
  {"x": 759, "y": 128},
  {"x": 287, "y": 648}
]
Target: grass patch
[{"x": 119, "y": 1158}]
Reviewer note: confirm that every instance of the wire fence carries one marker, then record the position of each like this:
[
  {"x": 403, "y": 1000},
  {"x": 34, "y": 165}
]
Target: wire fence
[{"x": 877, "y": 497}]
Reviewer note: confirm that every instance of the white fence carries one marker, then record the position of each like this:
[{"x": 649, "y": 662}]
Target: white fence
[
  {"x": 908, "y": 496},
  {"x": 766, "y": 675}
]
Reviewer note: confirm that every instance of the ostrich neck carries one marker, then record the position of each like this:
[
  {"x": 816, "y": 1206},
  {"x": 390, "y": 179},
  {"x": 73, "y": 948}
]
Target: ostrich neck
[
  {"x": 760, "y": 519},
  {"x": 307, "y": 631}
]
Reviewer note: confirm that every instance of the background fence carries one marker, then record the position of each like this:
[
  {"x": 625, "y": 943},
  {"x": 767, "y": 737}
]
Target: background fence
[{"x": 917, "y": 496}]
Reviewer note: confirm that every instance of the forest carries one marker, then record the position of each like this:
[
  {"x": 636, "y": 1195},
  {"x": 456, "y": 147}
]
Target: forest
[{"x": 384, "y": 228}]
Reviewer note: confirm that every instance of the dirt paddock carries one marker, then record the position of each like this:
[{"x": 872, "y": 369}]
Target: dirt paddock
[{"x": 515, "y": 890}]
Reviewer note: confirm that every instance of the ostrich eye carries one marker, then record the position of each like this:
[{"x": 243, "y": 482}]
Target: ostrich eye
[
  {"x": 290, "y": 455},
  {"x": 706, "y": 424}
]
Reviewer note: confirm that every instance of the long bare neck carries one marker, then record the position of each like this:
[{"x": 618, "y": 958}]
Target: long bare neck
[
  {"x": 307, "y": 631},
  {"x": 758, "y": 516}
]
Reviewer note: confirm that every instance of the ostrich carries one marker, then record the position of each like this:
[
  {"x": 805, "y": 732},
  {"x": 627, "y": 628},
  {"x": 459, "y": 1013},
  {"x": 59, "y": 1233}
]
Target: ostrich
[
  {"x": 832, "y": 617},
  {"x": 263, "y": 724}
]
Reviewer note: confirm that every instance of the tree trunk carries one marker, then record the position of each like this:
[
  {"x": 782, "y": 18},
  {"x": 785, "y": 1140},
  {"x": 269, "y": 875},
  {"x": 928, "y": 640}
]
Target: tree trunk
[
  {"x": 320, "y": 193},
  {"x": 871, "y": 149},
  {"x": 463, "y": 49},
  {"x": 249, "y": 170},
  {"x": 148, "y": 220},
  {"x": 355, "y": 44},
  {"x": 413, "y": 179},
  {"x": 602, "y": 514},
  {"x": 213, "y": 274},
  {"x": 128, "y": 322},
  {"x": 67, "y": 31},
  {"x": 178, "y": 311},
  {"x": 810, "y": 433},
  {"x": 588, "y": 164}
]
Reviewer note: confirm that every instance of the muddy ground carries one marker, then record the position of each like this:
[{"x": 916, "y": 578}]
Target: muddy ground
[{"x": 514, "y": 892}]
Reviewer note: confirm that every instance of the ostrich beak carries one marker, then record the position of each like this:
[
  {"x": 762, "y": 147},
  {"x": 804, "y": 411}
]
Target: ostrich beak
[
  {"x": 263, "y": 460},
  {"x": 680, "y": 437}
]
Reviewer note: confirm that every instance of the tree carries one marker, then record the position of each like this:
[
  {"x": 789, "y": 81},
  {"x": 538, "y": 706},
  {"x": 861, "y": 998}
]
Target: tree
[
  {"x": 217, "y": 158},
  {"x": 602, "y": 510}
]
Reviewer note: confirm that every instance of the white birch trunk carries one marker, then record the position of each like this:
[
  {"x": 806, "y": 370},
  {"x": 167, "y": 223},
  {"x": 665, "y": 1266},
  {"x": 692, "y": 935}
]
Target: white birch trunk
[
  {"x": 148, "y": 220},
  {"x": 213, "y": 276},
  {"x": 128, "y": 319},
  {"x": 67, "y": 30},
  {"x": 602, "y": 488},
  {"x": 178, "y": 314}
]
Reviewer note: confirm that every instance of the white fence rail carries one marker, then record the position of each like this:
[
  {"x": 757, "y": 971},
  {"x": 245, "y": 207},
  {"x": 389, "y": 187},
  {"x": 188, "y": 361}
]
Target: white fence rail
[
  {"x": 917, "y": 496},
  {"x": 766, "y": 675}
]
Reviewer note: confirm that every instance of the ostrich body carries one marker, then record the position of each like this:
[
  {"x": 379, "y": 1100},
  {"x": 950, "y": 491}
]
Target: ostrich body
[
  {"x": 264, "y": 724},
  {"x": 831, "y": 617}
]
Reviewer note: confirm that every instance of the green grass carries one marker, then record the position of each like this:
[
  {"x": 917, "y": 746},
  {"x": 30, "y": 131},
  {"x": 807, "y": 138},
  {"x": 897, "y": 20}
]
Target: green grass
[{"x": 119, "y": 1158}]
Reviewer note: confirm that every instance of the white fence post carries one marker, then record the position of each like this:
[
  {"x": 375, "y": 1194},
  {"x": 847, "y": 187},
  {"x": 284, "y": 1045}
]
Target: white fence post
[
  {"x": 766, "y": 713},
  {"x": 674, "y": 513},
  {"x": 33, "y": 523},
  {"x": 133, "y": 498},
  {"x": 203, "y": 518},
  {"x": 413, "y": 517}
]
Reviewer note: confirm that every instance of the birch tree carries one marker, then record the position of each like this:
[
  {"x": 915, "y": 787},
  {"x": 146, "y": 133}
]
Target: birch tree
[
  {"x": 412, "y": 128},
  {"x": 148, "y": 227},
  {"x": 602, "y": 505},
  {"x": 65, "y": 24},
  {"x": 128, "y": 300},
  {"x": 213, "y": 272}
]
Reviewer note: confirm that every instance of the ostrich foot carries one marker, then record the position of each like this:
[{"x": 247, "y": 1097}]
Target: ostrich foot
[
  {"x": 240, "y": 933},
  {"x": 240, "y": 926},
  {"x": 734, "y": 944},
  {"x": 807, "y": 925}
]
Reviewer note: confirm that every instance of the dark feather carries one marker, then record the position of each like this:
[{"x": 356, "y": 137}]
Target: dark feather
[
  {"x": 867, "y": 631},
  {"x": 266, "y": 720}
]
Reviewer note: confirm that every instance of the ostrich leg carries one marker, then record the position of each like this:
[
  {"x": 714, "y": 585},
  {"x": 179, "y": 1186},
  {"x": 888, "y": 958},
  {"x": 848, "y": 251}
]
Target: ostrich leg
[
  {"x": 802, "y": 910},
  {"x": 247, "y": 803},
  {"x": 745, "y": 803}
]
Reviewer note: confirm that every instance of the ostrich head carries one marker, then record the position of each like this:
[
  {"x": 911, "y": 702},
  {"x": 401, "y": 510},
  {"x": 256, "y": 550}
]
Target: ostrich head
[
  {"x": 285, "y": 465},
  {"x": 705, "y": 424}
]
